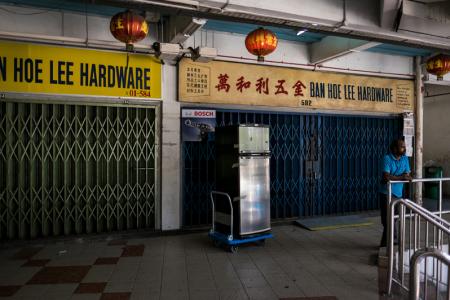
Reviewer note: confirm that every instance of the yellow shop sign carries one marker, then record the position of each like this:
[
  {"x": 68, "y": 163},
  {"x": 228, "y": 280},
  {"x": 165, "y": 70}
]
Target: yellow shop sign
[{"x": 31, "y": 68}]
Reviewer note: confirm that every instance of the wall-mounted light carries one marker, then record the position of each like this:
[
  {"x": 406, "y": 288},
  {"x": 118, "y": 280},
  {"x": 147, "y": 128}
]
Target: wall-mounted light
[{"x": 300, "y": 32}]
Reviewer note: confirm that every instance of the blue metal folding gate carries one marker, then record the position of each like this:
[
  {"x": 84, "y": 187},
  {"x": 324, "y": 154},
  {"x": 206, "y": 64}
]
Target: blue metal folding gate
[{"x": 320, "y": 164}]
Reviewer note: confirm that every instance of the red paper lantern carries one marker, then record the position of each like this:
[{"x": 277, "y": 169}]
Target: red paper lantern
[
  {"x": 261, "y": 42},
  {"x": 439, "y": 65},
  {"x": 128, "y": 27}
]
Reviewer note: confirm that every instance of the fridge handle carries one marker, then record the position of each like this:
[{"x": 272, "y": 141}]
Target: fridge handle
[{"x": 239, "y": 198}]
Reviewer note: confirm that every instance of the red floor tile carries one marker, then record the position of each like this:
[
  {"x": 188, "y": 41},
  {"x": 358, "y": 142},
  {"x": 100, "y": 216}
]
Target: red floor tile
[
  {"x": 117, "y": 243},
  {"x": 106, "y": 261},
  {"x": 133, "y": 250},
  {"x": 70, "y": 274},
  {"x": 26, "y": 253},
  {"x": 311, "y": 298},
  {"x": 90, "y": 288},
  {"x": 8, "y": 290},
  {"x": 36, "y": 263},
  {"x": 115, "y": 296}
]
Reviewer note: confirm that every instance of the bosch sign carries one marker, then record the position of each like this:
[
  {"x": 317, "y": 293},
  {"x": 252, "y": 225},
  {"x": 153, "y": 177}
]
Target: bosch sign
[
  {"x": 191, "y": 113},
  {"x": 204, "y": 114}
]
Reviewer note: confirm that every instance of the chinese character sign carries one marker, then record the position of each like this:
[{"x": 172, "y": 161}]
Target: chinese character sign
[
  {"x": 248, "y": 84},
  {"x": 197, "y": 81}
]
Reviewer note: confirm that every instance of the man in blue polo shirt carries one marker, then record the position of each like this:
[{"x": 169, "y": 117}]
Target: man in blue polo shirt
[{"x": 395, "y": 167}]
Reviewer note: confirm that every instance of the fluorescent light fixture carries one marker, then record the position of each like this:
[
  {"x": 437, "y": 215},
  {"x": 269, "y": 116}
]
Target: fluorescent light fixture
[
  {"x": 300, "y": 32},
  {"x": 314, "y": 24}
]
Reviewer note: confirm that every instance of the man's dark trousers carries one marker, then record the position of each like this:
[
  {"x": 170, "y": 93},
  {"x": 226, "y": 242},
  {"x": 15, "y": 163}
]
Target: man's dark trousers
[{"x": 383, "y": 213}]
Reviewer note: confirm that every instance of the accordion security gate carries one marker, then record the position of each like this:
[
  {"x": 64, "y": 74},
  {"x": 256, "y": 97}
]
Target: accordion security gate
[
  {"x": 320, "y": 164},
  {"x": 72, "y": 169}
]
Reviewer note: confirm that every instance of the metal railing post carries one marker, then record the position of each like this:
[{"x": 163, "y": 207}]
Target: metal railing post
[
  {"x": 416, "y": 259},
  {"x": 440, "y": 198},
  {"x": 401, "y": 243},
  {"x": 390, "y": 244}
]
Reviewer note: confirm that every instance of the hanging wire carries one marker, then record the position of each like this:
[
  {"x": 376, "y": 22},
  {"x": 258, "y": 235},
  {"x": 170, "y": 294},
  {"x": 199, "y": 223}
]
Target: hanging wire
[{"x": 87, "y": 22}]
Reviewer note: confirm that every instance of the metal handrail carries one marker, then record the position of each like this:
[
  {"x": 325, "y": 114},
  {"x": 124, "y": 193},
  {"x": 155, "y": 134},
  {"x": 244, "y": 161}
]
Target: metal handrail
[
  {"x": 414, "y": 275},
  {"x": 417, "y": 215},
  {"x": 230, "y": 237},
  {"x": 419, "y": 211},
  {"x": 422, "y": 180},
  {"x": 419, "y": 180}
]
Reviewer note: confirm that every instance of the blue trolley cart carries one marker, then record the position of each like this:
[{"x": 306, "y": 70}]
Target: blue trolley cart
[{"x": 229, "y": 241}]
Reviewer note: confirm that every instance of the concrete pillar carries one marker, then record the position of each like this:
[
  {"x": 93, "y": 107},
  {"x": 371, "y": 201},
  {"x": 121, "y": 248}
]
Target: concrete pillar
[
  {"x": 171, "y": 148},
  {"x": 418, "y": 157}
]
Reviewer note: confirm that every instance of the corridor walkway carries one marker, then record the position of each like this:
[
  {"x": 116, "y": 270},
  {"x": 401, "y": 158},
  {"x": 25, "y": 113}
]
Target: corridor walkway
[{"x": 295, "y": 264}]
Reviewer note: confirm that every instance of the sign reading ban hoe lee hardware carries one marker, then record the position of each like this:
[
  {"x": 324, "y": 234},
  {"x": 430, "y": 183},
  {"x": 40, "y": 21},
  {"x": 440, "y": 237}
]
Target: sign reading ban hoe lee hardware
[
  {"x": 30, "y": 68},
  {"x": 235, "y": 83}
]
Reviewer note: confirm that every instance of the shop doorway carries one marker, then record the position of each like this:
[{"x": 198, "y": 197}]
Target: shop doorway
[
  {"x": 320, "y": 164},
  {"x": 73, "y": 169}
]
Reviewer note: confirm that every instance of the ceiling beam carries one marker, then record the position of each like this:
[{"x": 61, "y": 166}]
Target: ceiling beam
[{"x": 332, "y": 47}]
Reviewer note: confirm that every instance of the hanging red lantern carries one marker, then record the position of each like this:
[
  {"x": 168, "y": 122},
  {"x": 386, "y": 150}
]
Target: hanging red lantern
[
  {"x": 439, "y": 65},
  {"x": 261, "y": 42},
  {"x": 128, "y": 28}
]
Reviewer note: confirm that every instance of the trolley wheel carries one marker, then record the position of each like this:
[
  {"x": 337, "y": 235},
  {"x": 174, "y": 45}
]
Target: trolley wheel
[
  {"x": 261, "y": 242},
  {"x": 217, "y": 243},
  {"x": 233, "y": 249}
]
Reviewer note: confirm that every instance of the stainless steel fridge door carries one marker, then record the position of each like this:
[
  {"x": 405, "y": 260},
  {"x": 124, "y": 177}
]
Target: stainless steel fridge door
[
  {"x": 253, "y": 139},
  {"x": 254, "y": 194}
]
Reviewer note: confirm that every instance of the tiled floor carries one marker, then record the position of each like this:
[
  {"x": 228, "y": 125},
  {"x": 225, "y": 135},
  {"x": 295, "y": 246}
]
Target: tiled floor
[{"x": 296, "y": 264}]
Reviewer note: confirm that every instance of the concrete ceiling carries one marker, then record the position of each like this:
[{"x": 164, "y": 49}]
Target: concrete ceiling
[
  {"x": 324, "y": 45},
  {"x": 334, "y": 46},
  {"x": 372, "y": 20}
]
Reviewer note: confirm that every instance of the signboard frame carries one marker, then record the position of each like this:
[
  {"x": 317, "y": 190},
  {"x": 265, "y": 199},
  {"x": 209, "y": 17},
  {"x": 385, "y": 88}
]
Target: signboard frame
[
  {"x": 234, "y": 83},
  {"x": 56, "y": 72}
]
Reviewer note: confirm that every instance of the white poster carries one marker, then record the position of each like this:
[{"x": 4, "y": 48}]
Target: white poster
[
  {"x": 409, "y": 145},
  {"x": 408, "y": 132},
  {"x": 408, "y": 124}
]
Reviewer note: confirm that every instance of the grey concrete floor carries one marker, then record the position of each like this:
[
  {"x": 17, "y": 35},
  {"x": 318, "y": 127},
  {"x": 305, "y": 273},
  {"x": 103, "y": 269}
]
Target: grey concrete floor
[{"x": 296, "y": 263}]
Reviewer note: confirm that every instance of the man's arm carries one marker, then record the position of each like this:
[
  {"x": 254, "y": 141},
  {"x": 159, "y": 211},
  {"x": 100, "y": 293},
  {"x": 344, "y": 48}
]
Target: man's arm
[{"x": 388, "y": 177}]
